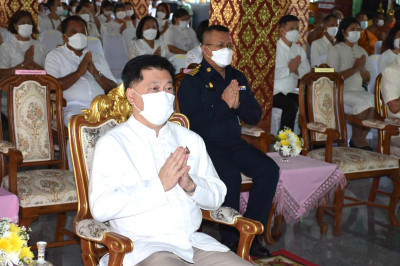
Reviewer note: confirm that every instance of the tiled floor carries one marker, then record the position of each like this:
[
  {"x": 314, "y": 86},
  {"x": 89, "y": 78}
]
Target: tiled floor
[{"x": 367, "y": 239}]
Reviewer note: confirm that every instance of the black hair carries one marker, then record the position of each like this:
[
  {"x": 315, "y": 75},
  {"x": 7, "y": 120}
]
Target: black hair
[
  {"x": 344, "y": 24},
  {"x": 360, "y": 14},
  {"x": 287, "y": 18},
  {"x": 132, "y": 72},
  {"x": 105, "y": 4},
  {"x": 388, "y": 42},
  {"x": 71, "y": 4},
  {"x": 119, "y": 5},
  {"x": 216, "y": 28},
  {"x": 178, "y": 14},
  {"x": 201, "y": 28},
  {"x": 328, "y": 17},
  {"x": 16, "y": 17},
  {"x": 80, "y": 6},
  {"x": 139, "y": 29},
  {"x": 50, "y": 3},
  {"x": 65, "y": 22},
  {"x": 134, "y": 13},
  {"x": 377, "y": 14},
  {"x": 167, "y": 7}
]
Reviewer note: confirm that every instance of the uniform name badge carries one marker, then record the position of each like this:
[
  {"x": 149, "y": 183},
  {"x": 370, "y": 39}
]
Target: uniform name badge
[{"x": 242, "y": 88}]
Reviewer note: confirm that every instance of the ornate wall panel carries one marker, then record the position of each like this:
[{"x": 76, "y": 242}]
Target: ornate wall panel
[
  {"x": 141, "y": 7},
  {"x": 9, "y": 7}
]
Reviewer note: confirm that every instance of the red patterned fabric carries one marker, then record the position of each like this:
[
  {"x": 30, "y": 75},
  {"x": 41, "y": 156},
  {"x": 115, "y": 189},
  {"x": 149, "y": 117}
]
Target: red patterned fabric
[{"x": 9, "y": 7}]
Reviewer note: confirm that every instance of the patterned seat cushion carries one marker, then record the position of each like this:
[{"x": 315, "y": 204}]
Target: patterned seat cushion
[
  {"x": 356, "y": 160},
  {"x": 44, "y": 187},
  {"x": 225, "y": 215}
]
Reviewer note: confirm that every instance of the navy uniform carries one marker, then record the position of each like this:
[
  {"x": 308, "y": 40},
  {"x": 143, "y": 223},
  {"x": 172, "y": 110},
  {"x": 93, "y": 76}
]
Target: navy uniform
[{"x": 200, "y": 100}]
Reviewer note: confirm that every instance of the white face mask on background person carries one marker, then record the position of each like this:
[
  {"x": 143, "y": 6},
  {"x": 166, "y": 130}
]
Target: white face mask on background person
[
  {"x": 292, "y": 35},
  {"x": 107, "y": 13},
  {"x": 160, "y": 15},
  {"x": 222, "y": 57},
  {"x": 78, "y": 41},
  {"x": 380, "y": 23},
  {"x": 120, "y": 15},
  {"x": 354, "y": 36},
  {"x": 332, "y": 31},
  {"x": 157, "y": 107},
  {"x": 85, "y": 17},
  {"x": 364, "y": 25},
  {"x": 59, "y": 10},
  {"x": 183, "y": 24},
  {"x": 150, "y": 34},
  {"x": 396, "y": 43},
  {"x": 25, "y": 30},
  {"x": 129, "y": 13}
]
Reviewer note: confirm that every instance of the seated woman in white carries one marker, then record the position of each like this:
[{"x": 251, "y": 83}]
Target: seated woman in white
[
  {"x": 180, "y": 37},
  {"x": 392, "y": 44},
  {"x": 349, "y": 59},
  {"x": 83, "y": 10},
  {"x": 162, "y": 14},
  {"x": 130, "y": 14},
  {"x": 120, "y": 23},
  {"x": 105, "y": 12},
  {"x": 148, "y": 40}
]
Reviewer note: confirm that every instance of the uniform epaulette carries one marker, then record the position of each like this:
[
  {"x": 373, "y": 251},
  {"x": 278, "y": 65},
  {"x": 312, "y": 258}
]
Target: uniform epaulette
[{"x": 194, "y": 70}]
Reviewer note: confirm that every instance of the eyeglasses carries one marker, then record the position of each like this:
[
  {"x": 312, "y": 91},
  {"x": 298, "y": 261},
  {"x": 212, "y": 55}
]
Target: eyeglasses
[{"x": 222, "y": 45}]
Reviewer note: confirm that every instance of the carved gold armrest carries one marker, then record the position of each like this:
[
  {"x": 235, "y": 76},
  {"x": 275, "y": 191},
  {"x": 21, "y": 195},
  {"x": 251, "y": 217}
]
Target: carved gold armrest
[{"x": 248, "y": 228}]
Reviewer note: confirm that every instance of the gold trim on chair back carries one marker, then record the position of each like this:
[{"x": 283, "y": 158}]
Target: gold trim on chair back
[{"x": 380, "y": 108}]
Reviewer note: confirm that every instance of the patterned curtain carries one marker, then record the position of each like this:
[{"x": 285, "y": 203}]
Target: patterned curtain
[
  {"x": 9, "y": 7},
  {"x": 254, "y": 30},
  {"x": 141, "y": 7}
]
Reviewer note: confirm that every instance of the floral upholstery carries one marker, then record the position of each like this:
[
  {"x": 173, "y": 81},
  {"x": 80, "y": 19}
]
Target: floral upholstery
[
  {"x": 91, "y": 229},
  {"x": 323, "y": 105},
  {"x": 44, "y": 187},
  {"x": 225, "y": 215},
  {"x": 393, "y": 121},
  {"x": 356, "y": 160},
  {"x": 90, "y": 136},
  {"x": 317, "y": 126},
  {"x": 31, "y": 121},
  {"x": 374, "y": 123},
  {"x": 5, "y": 146}
]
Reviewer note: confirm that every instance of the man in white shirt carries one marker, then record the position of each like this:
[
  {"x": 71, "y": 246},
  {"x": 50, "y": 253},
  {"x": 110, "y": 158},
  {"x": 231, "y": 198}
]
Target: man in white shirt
[
  {"x": 290, "y": 65},
  {"x": 82, "y": 74},
  {"x": 148, "y": 185},
  {"x": 53, "y": 20},
  {"x": 320, "y": 47}
]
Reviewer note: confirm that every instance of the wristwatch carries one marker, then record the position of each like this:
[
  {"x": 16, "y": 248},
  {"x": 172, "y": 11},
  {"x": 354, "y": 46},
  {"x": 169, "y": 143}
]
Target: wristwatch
[{"x": 98, "y": 76}]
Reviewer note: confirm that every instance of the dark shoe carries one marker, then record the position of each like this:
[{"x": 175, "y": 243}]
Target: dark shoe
[{"x": 258, "y": 250}]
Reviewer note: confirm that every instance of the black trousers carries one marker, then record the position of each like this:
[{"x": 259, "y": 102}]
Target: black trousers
[
  {"x": 229, "y": 161},
  {"x": 289, "y": 104}
]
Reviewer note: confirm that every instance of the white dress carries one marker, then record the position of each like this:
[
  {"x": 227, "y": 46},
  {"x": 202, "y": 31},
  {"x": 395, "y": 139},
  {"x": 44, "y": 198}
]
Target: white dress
[
  {"x": 319, "y": 51},
  {"x": 102, "y": 19},
  {"x": 386, "y": 59},
  {"x": 113, "y": 27},
  {"x": 341, "y": 57},
  {"x": 141, "y": 47},
  {"x": 184, "y": 39},
  {"x": 92, "y": 29}
]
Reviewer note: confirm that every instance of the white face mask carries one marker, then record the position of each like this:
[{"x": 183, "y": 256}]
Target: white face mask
[
  {"x": 380, "y": 23},
  {"x": 292, "y": 35},
  {"x": 25, "y": 30},
  {"x": 160, "y": 15},
  {"x": 354, "y": 36},
  {"x": 364, "y": 25},
  {"x": 332, "y": 31},
  {"x": 129, "y": 13},
  {"x": 183, "y": 24},
  {"x": 78, "y": 41},
  {"x": 85, "y": 17},
  {"x": 107, "y": 13},
  {"x": 157, "y": 107},
  {"x": 396, "y": 43},
  {"x": 150, "y": 34},
  {"x": 120, "y": 14},
  {"x": 59, "y": 10},
  {"x": 222, "y": 57},
  {"x": 98, "y": 3}
]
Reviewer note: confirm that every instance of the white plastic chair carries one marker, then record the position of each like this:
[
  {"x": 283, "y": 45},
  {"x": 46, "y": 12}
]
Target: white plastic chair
[
  {"x": 51, "y": 39},
  {"x": 378, "y": 47},
  {"x": 179, "y": 61},
  {"x": 115, "y": 53},
  {"x": 94, "y": 45},
  {"x": 129, "y": 35}
]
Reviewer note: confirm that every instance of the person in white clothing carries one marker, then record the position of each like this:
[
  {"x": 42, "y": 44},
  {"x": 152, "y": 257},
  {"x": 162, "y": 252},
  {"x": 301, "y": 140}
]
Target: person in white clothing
[
  {"x": 130, "y": 14},
  {"x": 120, "y": 23},
  {"x": 148, "y": 40},
  {"x": 162, "y": 14},
  {"x": 290, "y": 65},
  {"x": 320, "y": 47},
  {"x": 180, "y": 37},
  {"x": 392, "y": 43},
  {"x": 195, "y": 56},
  {"x": 83, "y": 10},
  {"x": 105, "y": 12},
  {"x": 82, "y": 74},
  {"x": 150, "y": 177},
  {"x": 53, "y": 20},
  {"x": 349, "y": 60}
]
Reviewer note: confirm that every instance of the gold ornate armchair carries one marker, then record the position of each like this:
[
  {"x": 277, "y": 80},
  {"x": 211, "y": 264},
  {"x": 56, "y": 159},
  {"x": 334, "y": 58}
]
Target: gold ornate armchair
[
  {"x": 50, "y": 187},
  {"x": 106, "y": 112},
  {"x": 322, "y": 120}
]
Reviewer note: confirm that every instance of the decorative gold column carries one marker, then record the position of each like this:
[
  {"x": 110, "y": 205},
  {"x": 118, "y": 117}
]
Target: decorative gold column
[
  {"x": 9, "y": 7},
  {"x": 254, "y": 30}
]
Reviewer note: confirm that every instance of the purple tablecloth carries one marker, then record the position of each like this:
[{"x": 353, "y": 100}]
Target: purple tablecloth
[{"x": 9, "y": 205}]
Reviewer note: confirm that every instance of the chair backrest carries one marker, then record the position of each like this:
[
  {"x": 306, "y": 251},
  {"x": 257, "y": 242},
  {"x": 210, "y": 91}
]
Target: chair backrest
[
  {"x": 373, "y": 63},
  {"x": 179, "y": 61},
  {"x": 5, "y": 34},
  {"x": 30, "y": 115},
  {"x": 106, "y": 112},
  {"x": 115, "y": 53},
  {"x": 94, "y": 45},
  {"x": 321, "y": 100},
  {"x": 129, "y": 34},
  {"x": 51, "y": 39}
]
